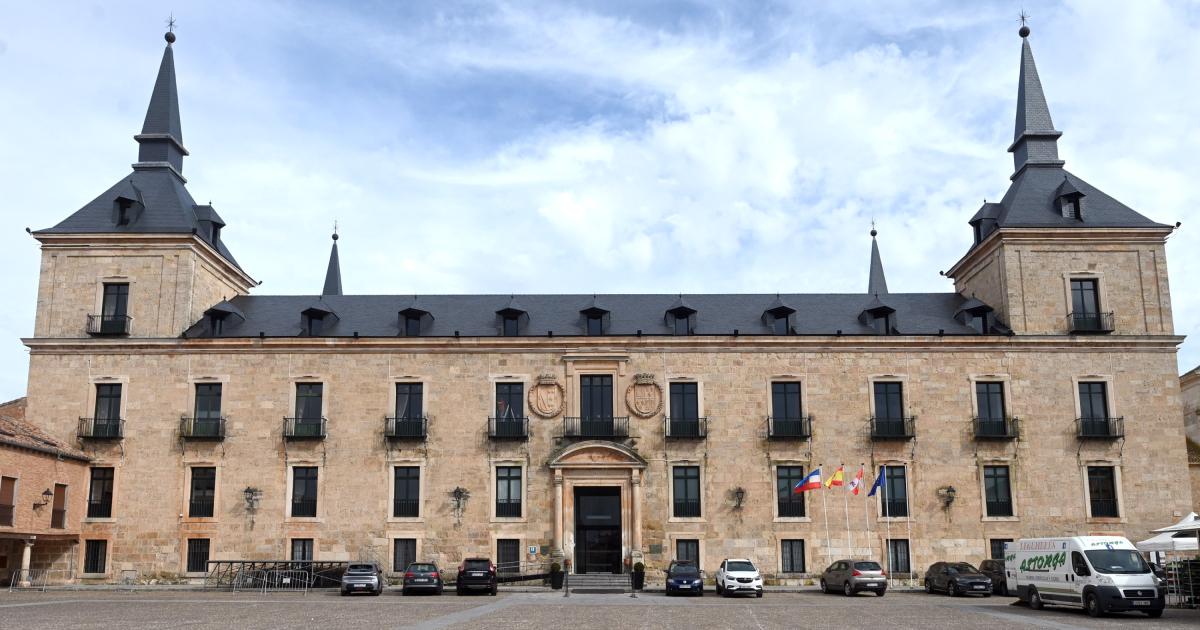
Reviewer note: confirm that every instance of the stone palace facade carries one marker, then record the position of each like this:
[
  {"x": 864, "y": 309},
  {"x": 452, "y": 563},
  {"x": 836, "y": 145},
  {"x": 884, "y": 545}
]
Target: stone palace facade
[{"x": 1040, "y": 398}]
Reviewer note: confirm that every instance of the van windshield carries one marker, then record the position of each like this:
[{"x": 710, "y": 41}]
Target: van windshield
[{"x": 1117, "y": 561}]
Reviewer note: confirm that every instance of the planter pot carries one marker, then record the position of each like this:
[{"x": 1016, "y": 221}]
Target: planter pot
[
  {"x": 639, "y": 580},
  {"x": 556, "y": 580}
]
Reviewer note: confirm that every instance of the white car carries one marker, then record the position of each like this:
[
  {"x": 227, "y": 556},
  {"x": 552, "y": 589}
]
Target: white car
[{"x": 738, "y": 575}]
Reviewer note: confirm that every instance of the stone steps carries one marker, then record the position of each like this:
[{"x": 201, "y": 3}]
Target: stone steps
[{"x": 600, "y": 581}]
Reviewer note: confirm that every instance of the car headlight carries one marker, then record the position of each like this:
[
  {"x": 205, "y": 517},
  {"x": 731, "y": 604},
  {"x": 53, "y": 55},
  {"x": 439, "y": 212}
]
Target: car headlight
[{"x": 1104, "y": 579}]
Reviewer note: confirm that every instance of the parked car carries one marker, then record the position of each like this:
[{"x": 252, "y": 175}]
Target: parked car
[
  {"x": 853, "y": 576},
  {"x": 957, "y": 578},
  {"x": 422, "y": 576},
  {"x": 684, "y": 576},
  {"x": 362, "y": 578},
  {"x": 476, "y": 574},
  {"x": 738, "y": 575},
  {"x": 994, "y": 570}
]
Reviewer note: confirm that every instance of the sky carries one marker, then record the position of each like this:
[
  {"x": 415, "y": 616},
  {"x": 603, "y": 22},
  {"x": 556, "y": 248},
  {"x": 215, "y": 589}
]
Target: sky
[{"x": 594, "y": 147}]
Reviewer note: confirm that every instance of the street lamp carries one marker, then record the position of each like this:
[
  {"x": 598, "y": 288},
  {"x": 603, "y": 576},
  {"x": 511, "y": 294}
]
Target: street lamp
[
  {"x": 740, "y": 494},
  {"x": 46, "y": 497}
]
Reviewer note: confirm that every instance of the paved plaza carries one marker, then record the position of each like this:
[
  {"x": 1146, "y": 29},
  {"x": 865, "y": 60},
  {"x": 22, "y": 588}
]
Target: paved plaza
[{"x": 524, "y": 611}]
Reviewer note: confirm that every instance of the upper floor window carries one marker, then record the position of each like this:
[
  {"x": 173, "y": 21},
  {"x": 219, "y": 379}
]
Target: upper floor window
[
  {"x": 316, "y": 326},
  {"x": 309, "y": 398},
  {"x": 408, "y": 491},
  {"x": 412, "y": 326},
  {"x": 685, "y": 401},
  {"x": 1085, "y": 299},
  {"x": 108, "y": 402},
  {"x": 123, "y": 206},
  {"x": 895, "y": 490},
  {"x": 889, "y": 401},
  {"x": 116, "y": 300},
  {"x": 687, "y": 491},
  {"x": 409, "y": 400},
  {"x": 883, "y": 323},
  {"x": 8, "y": 500},
  {"x": 204, "y": 492},
  {"x": 304, "y": 491},
  {"x": 218, "y": 324},
  {"x": 781, "y": 324},
  {"x": 990, "y": 400},
  {"x": 100, "y": 495},
  {"x": 997, "y": 490},
  {"x": 595, "y": 325},
  {"x": 1093, "y": 401},
  {"x": 510, "y": 327},
  {"x": 508, "y": 491},
  {"x": 58, "y": 518},
  {"x": 208, "y": 401},
  {"x": 510, "y": 400},
  {"x": 596, "y": 396},
  {"x": 785, "y": 400},
  {"x": 791, "y": 503}
]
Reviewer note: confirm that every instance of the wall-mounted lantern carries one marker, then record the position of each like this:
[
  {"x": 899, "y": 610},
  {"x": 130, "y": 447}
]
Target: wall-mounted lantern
[
  {"x": 947, "y": 495},
  {"x": 47, "y": 496},
  {"x": 740, "y": 494}
]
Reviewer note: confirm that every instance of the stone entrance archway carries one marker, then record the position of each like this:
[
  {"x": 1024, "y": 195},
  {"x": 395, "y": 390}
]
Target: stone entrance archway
[{"x": 598, "y": 464}]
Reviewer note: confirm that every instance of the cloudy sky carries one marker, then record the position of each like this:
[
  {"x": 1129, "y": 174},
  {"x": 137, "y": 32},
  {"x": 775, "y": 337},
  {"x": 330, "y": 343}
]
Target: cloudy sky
[{"x": 615, "y": 146}]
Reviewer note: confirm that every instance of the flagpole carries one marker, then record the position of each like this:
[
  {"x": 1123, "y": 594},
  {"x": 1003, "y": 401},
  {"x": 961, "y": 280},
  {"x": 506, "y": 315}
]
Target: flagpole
[
  {"x": 867, "y": 519},
  {"x": 846, "y": 504},
  {"x": 908, "y": 523},
  {"x": 828, "y": 549},
  {"x": 887, "y": 516}
]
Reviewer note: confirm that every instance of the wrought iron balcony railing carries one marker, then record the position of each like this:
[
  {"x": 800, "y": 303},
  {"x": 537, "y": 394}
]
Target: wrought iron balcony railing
[
  {"x": 791, "y": 508},
  {"x": 406, "y": 508},
  {"x": 304, "y": 428},
  {"x": 200, "y": 508},
  {"x": 596, "y": 427},
  {"x": 7, "y": 513},
  {"x": 101, "y": 428},
  {"x": 1105, "y": 508},
  {"x": 893, "y": 428},
  {"x": 789, "y": 428},
  {"x": 686, "y": 428},
  {"x": 996, "y": 428},
  {"x": 687, "y": 508},
  {"x": 108, "y": 324},
  {"x": 58, "y": 519},
  {"x": 1100, "y": 428},
  {"x": 894, "y": 507},
  {"x": 405, "y": 427},
  {"x": 1090, "y": 323},
  {"x": 508, "y": 508},
  {"x": 999, "y": 507},
  {"x": 202, "y": 428},
  {"x": 99, "y": 508},
  {"x": 304, "y": 508},
  {"x": 508, "y": 428}
]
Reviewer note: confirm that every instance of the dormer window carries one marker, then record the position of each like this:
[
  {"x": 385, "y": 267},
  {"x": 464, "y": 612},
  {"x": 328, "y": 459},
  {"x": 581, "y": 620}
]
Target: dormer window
[
  {"x": 218, "y": 324},
  {"x": 682, "y": 327},
  {"x": 316, "y": 325},
  {"x": 595, "y": 325},
  {"x": 123, "y": 206},
  {"x": 412, "y": 326},
  {"x": 781, "y": 325},
  {"x": 216, "y": 234},
  {"x": 883, "y": 323},
  {"x": 1070, "y": 208},
  {"x": 510, "y": 326}
]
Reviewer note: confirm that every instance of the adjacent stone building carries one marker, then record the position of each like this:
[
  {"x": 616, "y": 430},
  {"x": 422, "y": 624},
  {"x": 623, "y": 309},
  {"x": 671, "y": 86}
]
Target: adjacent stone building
[{"x": 1040, "y": 398}]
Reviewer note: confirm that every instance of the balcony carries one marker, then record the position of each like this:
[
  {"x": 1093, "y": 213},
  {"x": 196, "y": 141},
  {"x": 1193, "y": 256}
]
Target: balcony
[
  {"x": 791, "y": 508},
  {"x": 508, "y": 508},
  {"x": 101, "y": 428},
  {"x": 202, "y": 428},
  {"x": 999, "y": 507},
  {"x": 406, "y": 428},
  {"x": 1100, "y": 428},
  {"x": 100, "y": 325},
  {"x": 58, "y": 519},
  {"x": 1090, "y": 323},
  {"x": 99, "y": 508},
  {"x": 304, "y": 508},
  {"x": 304, "y": 428},
  {"x": 596, "y": 427},
  {"x": 798, "y": 428},
  {"x": 996, "y": 428},
  {"x": 508, "y": 428},
  {"x": 687, "y": 428},
  {"x": 406, "y": 508},
  {"x": 893, "y": 507},
  {"x": 6, "y": 515},
  {"x": 884, "y": 429},
  {"x": 200, "y": 508},
  {"x": 1105, "y": 508},
  {"x": 687, "y": 508}
]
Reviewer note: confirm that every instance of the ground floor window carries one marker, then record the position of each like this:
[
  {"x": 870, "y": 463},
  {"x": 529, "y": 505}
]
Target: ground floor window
[
  {"x": 197, "y": 555},
  {"x": 998, "y": 548},
  {"x": 508, "y": 555},
  {"x": 404, "y": 553},
  {"x": 793, "y": 555},
  {"x": 688, "y": 550},
  {"x": 95, "y": 554},
  {"x": 302, "y": 549},
  {"x": 898, "y": 556}
]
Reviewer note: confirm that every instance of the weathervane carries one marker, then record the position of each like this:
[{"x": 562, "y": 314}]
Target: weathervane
[
  {"x": 171, "y": 23},
  {"x": 1023, "y": 17}
]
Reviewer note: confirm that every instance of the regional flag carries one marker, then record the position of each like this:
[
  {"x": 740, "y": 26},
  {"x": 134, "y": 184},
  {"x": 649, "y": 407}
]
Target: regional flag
[
  {"x": 811, "y": 482},
  {"x": 856, "y": 482},
  {"x": 878, "y": 481},
  {"x": 836, "y": 479}
]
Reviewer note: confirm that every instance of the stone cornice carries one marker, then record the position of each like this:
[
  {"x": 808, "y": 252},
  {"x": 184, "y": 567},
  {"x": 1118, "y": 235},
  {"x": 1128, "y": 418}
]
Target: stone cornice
[
  {"x": 1056, "y": 236},
  {"x": 148, "y": 241},
  {"x": 611, "y": 345}
]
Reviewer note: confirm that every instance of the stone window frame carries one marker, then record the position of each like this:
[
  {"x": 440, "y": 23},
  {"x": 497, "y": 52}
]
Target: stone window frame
[
  {"x": 1101, "y": 290},
  {"x": 909, "y": 483},
  {"x": 906, "y": 392},
  {"x": 525, "y": 380},
  {"x": 684, "y": 378},
  {"x": 808, "y": 558},
  {"x": 426, "y": 397},
  {"x": 98, "y": 304},
  {"x": 109, "y": 569},
  {"x": 392, "y": 463},
  {"x": 103, "y": 379},
  {"x": 1012, "y": 464},
  {"x": 1110, "y": 394},
  {"x": 188, "y": 465},
  {"x": 287, "y": 497},
  {"x": 522, "y": 539},
  {"x": 293, "y": 382},
  {"x": 223, "y": 380},
  {"x": 418, "y": 536},
  {"x": 674, "y": 537},
  {"x": 115, "y": 465},
  {"x": 776, "y": 518},
  {"x": 1001, "y": 535},
  {"x": 788, "y": 378},
  {"x": 704, "y": 499},
  {"x": 513, "y": 463},
  {"x": 184, "y": 541},
  {"x": 1117, "y": 466},
  {"x": 595, "y": 365},
  {"x": 1006, "y": 379}
]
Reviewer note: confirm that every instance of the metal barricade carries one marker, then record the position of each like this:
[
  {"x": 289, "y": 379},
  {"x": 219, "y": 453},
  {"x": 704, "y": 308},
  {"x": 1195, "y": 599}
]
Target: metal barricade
[
  {"x": 29, "y": 580},
  {"x": 249, "y": 580},
  {"x": 287, "y": 580}
]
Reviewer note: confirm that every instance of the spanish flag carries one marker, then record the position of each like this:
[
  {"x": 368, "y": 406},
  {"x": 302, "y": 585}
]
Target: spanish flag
[{"x": 836, "y": 479}]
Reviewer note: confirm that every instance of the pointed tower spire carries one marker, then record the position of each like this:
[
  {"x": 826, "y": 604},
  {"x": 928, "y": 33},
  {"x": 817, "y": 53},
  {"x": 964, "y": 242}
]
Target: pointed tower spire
[
  {"x": 333, "y": 276},
  {"x": 877, "y": 284},
  {"x": 1035, "y": 141},
  {"x": 161, "y": 140}
]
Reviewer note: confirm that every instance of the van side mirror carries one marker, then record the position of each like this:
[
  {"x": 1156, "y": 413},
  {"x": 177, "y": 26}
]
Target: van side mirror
[{"x": 1082, "y": 570}]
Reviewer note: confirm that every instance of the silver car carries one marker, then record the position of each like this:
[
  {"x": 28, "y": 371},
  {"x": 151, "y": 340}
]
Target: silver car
[{"x": 852, "y": 576}]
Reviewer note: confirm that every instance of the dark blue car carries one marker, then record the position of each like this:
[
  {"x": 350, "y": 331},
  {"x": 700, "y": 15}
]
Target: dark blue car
[{"x": 683, "y": 576}]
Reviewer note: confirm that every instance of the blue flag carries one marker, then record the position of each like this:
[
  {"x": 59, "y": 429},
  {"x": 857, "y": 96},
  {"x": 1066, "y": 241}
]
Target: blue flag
[{"x": 878, "y": 481}]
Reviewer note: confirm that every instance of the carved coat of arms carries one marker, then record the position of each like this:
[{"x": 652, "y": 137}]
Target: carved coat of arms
[
  {"x": 645, "y": 396},
  {"x": 547, "y": 398}
]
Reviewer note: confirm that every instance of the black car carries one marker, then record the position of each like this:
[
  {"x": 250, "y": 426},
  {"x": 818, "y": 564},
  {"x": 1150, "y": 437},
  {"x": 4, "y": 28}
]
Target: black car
[
  {"x": 957, "y": 578},
  {"x": 362, "y": 578},
  {"x": 422, "y": 576},
  {"x": 476, "y": 574},
  {"x": 684, "y": 576},
  {"x": 994, "y": 570}
]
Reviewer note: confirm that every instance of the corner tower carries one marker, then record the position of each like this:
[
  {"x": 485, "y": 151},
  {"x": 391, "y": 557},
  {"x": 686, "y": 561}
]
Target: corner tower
[
  {"x": 1056, "y": 255},
  {"x": 143, "y": 259}
]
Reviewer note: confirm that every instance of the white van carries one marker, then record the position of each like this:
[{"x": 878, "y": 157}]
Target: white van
[{"x": 1098, "y": 573}]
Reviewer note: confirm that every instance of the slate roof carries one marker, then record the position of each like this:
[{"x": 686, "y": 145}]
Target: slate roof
[
  {"x": 15, "y": 431},
  {"x": 333, "y": 275}
]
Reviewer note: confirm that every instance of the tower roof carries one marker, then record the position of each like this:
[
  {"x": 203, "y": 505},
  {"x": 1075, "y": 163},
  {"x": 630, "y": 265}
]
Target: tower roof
[
  {"x": 877, "y": 285},
  {"x": 1035, "y": 141},
  {"x": 333, "y": 275}
]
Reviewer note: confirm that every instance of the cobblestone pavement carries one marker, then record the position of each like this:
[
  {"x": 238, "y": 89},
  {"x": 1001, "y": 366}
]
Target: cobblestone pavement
[{"x": 525, "y": 611}]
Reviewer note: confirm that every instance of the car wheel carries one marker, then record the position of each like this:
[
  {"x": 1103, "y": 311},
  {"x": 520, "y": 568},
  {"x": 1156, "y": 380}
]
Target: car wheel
[
  {"x": 881, "y": 593},
  {"x": 847, "y": 590},
  {"x": 1035, "y": 600},
  {"x": 495, "y": 588},
  {"x": 720, "y": 591},
  {"x": 458, "y": 591},
  {"x": 987, "y": 594},
  {"x": 759, "y": 594},
  {"x": 403, "y": 591},
  {"x": 951, "y": 590},
  {"x": 344, "y": 593},
  {"x": 824, "y": 586},
  {"x": 1093, "y": 606},
  {"x": 928, "y": 586},
  {"x": 1154, "y": 614},
  {"x": 439, "y": 591},
  {"x": 700, "y": 593},
  {"x": 1004, "y": 589}
]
